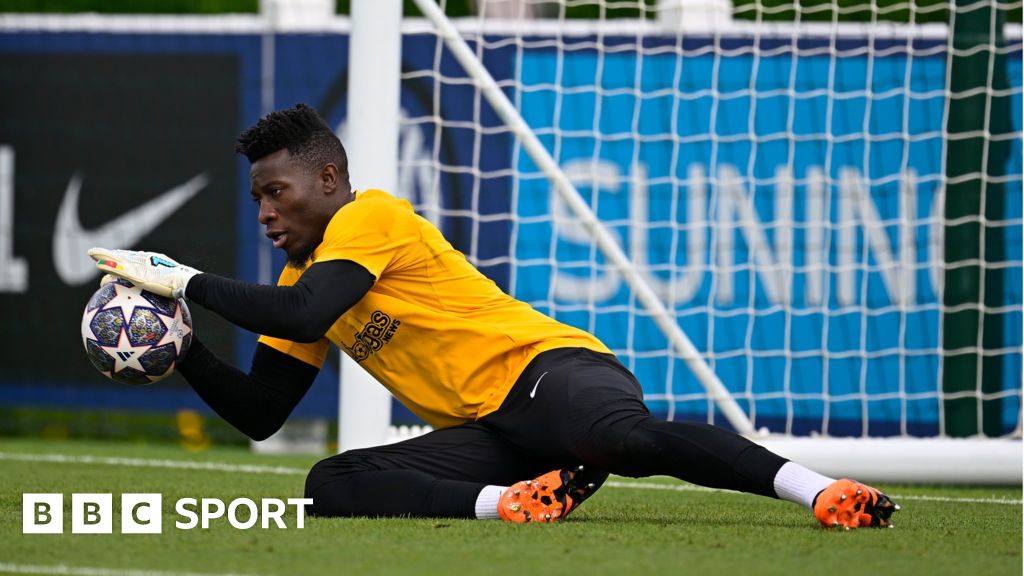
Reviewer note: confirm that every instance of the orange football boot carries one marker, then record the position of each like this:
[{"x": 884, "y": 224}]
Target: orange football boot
[
  {"x": 853, "y": 505},
  {"x": 547, "y": 498}
]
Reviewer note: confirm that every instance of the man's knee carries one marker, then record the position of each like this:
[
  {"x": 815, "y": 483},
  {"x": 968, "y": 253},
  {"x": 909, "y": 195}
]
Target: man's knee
[
  {"x": 635, "y": 447},
  {"x": 334, "y": 470},
  {"x": 607, "y": 444}
]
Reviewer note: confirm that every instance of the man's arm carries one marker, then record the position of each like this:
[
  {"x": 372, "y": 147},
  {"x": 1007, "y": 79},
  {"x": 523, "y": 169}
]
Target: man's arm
[
  {"x": 300, "y": 313},
  {"x": 257, "y": 403}
]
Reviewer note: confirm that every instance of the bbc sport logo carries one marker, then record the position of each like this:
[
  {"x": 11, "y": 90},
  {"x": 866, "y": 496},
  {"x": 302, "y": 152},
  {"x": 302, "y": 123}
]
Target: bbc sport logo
[{"x": 143, "y": 513}]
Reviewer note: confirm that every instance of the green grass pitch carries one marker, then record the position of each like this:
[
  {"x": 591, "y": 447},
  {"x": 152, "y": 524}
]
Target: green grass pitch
[{"x": 671, "y": 528}]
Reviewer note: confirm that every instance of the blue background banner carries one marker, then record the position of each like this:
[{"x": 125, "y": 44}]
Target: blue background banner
[{"x": 787, "y": 206}]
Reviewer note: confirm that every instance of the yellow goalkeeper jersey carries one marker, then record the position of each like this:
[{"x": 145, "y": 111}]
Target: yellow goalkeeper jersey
[{"x": 441, "y": 336}]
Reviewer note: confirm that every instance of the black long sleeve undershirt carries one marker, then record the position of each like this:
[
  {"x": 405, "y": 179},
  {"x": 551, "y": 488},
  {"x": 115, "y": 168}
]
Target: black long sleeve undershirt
[
  {"x": 300, "y": 313},
  {"x": 257, "y": 403}
]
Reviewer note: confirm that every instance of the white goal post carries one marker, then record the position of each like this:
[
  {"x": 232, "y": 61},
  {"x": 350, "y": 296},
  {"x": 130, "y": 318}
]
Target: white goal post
[{"x": 883, "y": 232}]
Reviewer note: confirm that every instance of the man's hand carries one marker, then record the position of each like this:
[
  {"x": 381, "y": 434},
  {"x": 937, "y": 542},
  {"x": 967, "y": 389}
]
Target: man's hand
[{"x": 148, "y": 270}]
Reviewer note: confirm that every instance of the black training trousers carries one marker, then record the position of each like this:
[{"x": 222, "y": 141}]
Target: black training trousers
[{"x": 570, "y": 406}]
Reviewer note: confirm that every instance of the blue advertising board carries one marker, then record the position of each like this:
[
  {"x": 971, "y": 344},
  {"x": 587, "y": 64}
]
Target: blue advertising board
[{"x": 787, "y": 207}]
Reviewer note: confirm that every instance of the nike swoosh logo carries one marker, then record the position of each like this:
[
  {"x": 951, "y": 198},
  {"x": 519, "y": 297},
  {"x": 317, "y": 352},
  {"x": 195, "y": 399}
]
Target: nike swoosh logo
[
  {"x": 534, "y": 391},
  {"x": 70, "y": 240}
]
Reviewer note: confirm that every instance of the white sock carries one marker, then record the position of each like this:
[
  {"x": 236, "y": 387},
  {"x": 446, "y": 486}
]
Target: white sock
[
  {"x": 798, "y": 484},
  {"x": 487, "y": 502}
]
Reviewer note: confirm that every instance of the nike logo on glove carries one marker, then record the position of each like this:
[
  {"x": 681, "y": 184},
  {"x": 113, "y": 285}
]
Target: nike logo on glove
[{"x": 70, "y": 240}]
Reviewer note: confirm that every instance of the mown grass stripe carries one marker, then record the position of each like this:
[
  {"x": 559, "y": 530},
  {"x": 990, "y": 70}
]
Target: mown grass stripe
[
  {"x": 693, "y": 488},
  {"x": 63, "y": 569},
  {"x": 289, "y": 471},
  {"x": 153, "y": 463}
]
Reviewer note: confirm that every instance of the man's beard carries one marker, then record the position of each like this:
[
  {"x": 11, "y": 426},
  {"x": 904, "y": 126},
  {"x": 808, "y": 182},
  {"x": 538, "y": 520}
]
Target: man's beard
[{"x": 301, "y": 257}]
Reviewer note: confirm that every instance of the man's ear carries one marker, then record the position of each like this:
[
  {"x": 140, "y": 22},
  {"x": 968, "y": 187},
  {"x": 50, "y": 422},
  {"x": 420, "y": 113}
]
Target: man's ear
[{"x": 329, "y": 179}]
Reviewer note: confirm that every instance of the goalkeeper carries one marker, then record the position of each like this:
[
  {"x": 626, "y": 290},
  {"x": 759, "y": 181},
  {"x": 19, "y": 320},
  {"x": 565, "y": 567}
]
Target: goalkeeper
[{"x": 530, "y": 415}]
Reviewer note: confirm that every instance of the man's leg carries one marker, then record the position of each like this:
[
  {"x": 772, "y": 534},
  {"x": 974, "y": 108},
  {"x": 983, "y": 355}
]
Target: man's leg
[
  {"x": 577, "y": 406},
  {"x": 441, "y": 474}
]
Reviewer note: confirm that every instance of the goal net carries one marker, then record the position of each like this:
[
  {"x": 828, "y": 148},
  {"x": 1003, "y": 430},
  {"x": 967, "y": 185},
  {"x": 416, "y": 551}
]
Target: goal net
[{"x": 828, "y": 211}]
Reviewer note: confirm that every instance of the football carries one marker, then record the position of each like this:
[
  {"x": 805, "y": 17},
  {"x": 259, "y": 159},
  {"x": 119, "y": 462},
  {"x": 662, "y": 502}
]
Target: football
[{"x": 133, "y": 336}]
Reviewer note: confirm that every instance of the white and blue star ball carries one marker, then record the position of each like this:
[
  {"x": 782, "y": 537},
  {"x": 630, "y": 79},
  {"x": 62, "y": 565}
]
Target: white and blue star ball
[{"x": 133, "y": 336}]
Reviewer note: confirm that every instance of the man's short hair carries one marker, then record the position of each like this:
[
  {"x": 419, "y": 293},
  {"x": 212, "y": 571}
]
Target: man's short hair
[{"x": 302, "y": 132}]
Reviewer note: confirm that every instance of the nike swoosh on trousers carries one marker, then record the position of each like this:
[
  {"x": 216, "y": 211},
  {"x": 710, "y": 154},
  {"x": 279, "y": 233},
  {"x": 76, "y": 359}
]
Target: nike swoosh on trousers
[
  {"x": 70, "y": 241},
  {"x": 534, "y": 391}
]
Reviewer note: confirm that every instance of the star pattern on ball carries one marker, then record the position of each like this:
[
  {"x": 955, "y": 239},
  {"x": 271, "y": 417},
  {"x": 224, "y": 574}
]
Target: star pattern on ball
[
  {"x": 125, "y": 299},
  {"x": 125, "y": 354},
  {"x": 86, "y": 321},
  {"x": 177, "y": 329}
]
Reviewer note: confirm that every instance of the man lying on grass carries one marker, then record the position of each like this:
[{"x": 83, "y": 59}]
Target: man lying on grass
[{"x": 530, "y": 415}]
